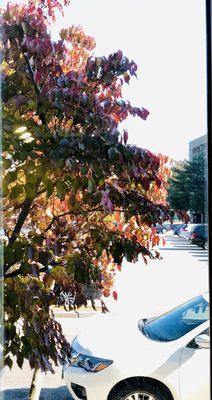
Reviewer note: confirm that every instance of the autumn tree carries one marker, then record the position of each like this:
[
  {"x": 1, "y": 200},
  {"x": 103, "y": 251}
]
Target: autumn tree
[
  {"x": 77, "y": 197},
  {"x": 187, "y": 190}
]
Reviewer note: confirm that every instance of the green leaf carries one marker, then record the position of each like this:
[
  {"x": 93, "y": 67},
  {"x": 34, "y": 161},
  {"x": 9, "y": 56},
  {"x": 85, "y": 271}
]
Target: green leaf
[
  {"x": 91, "y": 186},
  {"x": 30, "y": 190},
  {"x": 75, "y": 185},
  {"x": 7, "y": 163},
  {"x": 84, "y": 169},
  {"x": 11, "y": 176},
  {"x": 32, "y": 178},
  {"x": 40, "y": 170},
  {"x": 40, "y": 133},
  {"x": 102, "y": 182},
  {"x": 17, "y": 114},
  {"x": 16, "y": 190},
  {"x": 20, "y": 360},
  {"x": 113, "y": 153},
  {"x": 8, "y": 361},
  {"x": 84, "y": 182},
  {"x": 23, "y": 155},
  {"x": 11, "y": 255},
  {"x": 5, "y": 189},
  {"x": 61, "y": 189},
  {"x": 49, "y": 187}
]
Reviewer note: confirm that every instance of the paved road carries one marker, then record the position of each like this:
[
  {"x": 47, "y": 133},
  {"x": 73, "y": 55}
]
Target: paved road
[
  {"x": 145, "y": 290},
  {"x": 154, "y": 288}
]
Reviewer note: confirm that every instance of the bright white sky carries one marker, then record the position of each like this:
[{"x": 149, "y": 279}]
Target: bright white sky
[{"x": 167, "y": 40}]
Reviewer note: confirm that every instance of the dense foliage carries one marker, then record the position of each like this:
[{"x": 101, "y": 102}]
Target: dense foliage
[
  {"x": 77, "y": 197},
  {"x": 188, "y": 188}
]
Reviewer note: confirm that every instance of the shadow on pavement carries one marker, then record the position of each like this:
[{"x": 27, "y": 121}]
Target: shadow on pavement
[
  {"x": 181, "y": 244},
  {"x": 60, "y": 393},
  {"x": 176, "y": 248},
  {"x": 199, "y": 255},
  {"x": 201, "y": 251}
]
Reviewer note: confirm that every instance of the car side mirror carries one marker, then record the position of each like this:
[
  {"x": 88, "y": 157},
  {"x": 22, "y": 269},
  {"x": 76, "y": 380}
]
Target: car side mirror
[{"x": 203, "y": 341}]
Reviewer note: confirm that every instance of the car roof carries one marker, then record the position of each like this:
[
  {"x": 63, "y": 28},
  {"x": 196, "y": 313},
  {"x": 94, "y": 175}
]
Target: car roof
[{"x": 194, "y": 224}]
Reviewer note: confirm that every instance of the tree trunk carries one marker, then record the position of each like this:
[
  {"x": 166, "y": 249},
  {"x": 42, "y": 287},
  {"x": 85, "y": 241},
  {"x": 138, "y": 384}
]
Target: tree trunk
[{"x": 36, "y": 385}]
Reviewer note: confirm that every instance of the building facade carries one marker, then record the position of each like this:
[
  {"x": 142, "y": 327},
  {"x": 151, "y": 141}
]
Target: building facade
[{"x": 198, "y": 146}]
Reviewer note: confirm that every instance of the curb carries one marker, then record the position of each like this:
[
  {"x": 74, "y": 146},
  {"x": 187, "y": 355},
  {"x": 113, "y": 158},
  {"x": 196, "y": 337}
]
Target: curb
[{"x": 72, "y": 314}]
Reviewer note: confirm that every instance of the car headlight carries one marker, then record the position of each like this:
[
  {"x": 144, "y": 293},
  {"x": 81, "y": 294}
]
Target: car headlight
[{"x": 89, "y": 363}]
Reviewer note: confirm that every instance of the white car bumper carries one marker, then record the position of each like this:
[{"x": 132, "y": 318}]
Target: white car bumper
[{"x": 97, "y": 385}]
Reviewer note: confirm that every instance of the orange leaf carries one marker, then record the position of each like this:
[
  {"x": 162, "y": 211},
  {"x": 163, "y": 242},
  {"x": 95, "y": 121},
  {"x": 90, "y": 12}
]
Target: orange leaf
[{"x": 117, "y": 216}]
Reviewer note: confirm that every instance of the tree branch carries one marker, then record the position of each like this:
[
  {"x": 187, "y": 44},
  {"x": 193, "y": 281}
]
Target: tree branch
[
  {"x": 18, "y": 206},
  {"x": 31, "y": 73},
  {"x": 71, "y": 213},
  {"x": 22, "y": 216},
  {"x": 21, "y": 219},
  {"x": 18, "y": 271},
  {"x": 37, "y": 91}
]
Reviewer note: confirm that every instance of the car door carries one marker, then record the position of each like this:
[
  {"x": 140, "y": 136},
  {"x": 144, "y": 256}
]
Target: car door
[{"x": 195, "y": 371}]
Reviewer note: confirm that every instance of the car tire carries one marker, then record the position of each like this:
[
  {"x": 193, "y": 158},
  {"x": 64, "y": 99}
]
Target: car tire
[{"x": 128, "y": 390}]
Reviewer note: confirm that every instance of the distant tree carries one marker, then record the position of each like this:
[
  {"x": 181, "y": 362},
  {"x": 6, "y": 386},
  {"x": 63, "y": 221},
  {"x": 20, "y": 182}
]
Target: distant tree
[
  {"x": 178, "y": 192},
  {"x": 187, "y": 188}
]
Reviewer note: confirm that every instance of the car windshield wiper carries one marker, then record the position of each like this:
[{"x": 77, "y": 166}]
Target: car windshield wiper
[
  {"x": 145, "y": 321},
  {"x": 142, "y": 322}
]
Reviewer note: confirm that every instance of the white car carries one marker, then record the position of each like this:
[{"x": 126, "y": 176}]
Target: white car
[
  {"x": 186, "y": 231},
  {"x": 163, "y": 358}
]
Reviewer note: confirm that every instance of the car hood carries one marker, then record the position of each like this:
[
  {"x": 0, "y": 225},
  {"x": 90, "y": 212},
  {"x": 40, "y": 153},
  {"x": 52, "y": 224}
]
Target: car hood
[{"x": 113, "y": 337}]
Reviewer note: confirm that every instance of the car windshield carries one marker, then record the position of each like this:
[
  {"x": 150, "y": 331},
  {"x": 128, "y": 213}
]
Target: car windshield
[{"x": 176, "y": 323}]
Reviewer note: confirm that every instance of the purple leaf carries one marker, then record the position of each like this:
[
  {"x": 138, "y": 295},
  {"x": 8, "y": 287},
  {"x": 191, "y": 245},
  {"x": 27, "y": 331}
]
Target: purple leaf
[
  {"x": 125, "y": 136},
  {"x": 106, "y": 202}
]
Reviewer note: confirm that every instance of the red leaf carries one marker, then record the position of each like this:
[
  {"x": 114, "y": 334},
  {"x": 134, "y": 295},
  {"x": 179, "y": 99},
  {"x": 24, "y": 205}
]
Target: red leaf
[
  {"x": 158, "y": 181},
  {"x": 144, "y": 258},
  {"x": 126, "y": 77},
  {"x": 145, "y": 183},
  {"x": 118, "y": 267},
  {"x": 115, "y": 295},
  {"x": 38, "y": 77}
]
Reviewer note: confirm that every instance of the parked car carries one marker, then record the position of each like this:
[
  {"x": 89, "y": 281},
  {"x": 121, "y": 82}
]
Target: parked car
[
  {"x": 161, "y": 228},
  {"x": 186, "y": 231},
  {"x": 199, "y": 236},
  {"x": 162, "y": 358},
  {"x": 177, "y": 227}
]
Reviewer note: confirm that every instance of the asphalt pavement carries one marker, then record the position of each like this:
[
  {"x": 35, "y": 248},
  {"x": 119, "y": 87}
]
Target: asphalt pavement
[{"x": 146, "y": 290}]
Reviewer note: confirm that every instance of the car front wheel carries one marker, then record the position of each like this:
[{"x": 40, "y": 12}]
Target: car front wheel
[
  {"x": 144, "y": 391},
  {"x": 140, "y": 396},
  {"x": 205, "y": 246}
]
